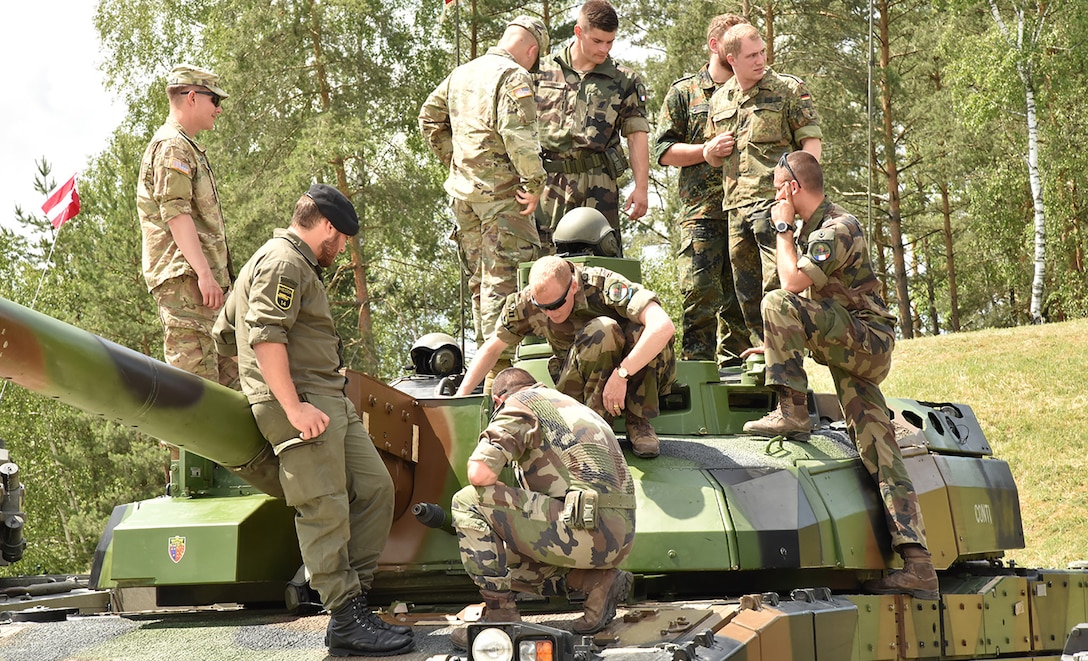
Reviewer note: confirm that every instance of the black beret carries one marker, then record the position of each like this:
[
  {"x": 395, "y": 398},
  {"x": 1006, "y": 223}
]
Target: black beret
[{"x": 335, "y": 207}]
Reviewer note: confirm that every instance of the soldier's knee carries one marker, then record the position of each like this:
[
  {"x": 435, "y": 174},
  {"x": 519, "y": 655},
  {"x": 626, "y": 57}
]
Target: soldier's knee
[
  {"x": 777, "y": 301},
  {"x": 465, "y": 499},
  {"x": 604, "y": 331}
]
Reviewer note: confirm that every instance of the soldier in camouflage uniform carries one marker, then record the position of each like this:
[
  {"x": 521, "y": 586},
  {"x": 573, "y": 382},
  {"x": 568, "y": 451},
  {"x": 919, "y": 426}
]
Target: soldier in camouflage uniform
[
  {"x": 481, "y": 122},
  {"x": 570, "y": 520},
  {"x": 755, "y": 118},
  {"x": 714, "y": 327},
  {"x": 611, "y": 337},
  {"x": 185, "y": 259},
  {"x": 586, "y": 101},
  {"x": 844, "y": 323}
]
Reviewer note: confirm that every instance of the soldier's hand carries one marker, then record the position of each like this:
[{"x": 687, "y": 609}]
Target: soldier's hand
[
  {"x": 751, "y": 351},
  {"x": 210, "y": 291},
  {"x": 637, "y": 204},
  {"x": 615, "y": 394},
  {"x": 528, "y": 200},
  {"x": 309, "y": 420}
]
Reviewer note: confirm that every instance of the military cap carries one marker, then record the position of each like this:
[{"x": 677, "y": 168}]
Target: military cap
[
  {"x": 336, "y": 208},
  {"x": 187, "y": 74},
  {"x": 536, "y": 27}
]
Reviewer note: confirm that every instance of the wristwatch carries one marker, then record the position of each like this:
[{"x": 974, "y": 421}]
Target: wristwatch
[
  {"x": 622, "y": 372},
  {"x": 783, "y": 226}
]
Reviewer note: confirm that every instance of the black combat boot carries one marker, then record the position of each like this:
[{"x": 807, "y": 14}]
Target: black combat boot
[{"x": 355, "y": 631}]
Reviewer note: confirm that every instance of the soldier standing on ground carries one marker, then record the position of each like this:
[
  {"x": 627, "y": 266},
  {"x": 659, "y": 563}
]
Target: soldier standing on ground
[
  {"x": 611, "y": 337},
  {"x": 568, "y": 522},
  {"x": 278, "y": 322},
  {"x": 845, "y": 325},
  {"x": 765, "y": 114},
  {"x": 185, "y": 259},
  {"x": 714, "y": 327},
  {"x": 481, "y": 123},
  {"x": 586, "y": 101}
]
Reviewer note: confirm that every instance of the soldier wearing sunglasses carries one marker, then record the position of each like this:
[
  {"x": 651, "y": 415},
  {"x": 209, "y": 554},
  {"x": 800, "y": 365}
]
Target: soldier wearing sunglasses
[{"x": 611, "y": 338}]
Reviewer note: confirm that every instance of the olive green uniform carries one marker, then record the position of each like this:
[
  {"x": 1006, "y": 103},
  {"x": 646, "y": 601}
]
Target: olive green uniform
[
  {"x": 572, "y": 508},
  {"x": 602, "y": 327},
  {"x": 176, "y": 178},
  {"x": 336, "y": 481},
  {"x": 771, "y": 118},
  {"x": 845, "y": 325},
  {"x": 713, "y": 325}
]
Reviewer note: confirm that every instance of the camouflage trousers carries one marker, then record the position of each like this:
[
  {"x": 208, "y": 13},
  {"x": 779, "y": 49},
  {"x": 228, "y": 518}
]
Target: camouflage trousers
[
  {"x": 515, "y": 539},
  {"x": 341, "y": 490},
  {"x": 714, "y": 327},
  {"x": 859, "y": 358},
  {"x": 563, "y": 192},
  {"x": 493, "y": 238},
  {"x": 598, "y": 349},
  {"x": 752, "y": 247},
  {"x": 187, "y": 332}
]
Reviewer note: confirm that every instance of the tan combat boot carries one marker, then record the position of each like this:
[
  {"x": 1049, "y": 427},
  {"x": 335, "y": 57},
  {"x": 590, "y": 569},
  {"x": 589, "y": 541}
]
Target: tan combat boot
[
  {"x": 604, "y": 588},
  {"x": 917, "y": 577},
  {"x": 498, "y": 607},
  {"x": 642, "y": 436},
  {"x": 790, "y": 419}
]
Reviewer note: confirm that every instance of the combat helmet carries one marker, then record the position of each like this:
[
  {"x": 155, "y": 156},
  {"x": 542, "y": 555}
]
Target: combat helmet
[
  {"x": 437, "y": 354},
  {"x": 585, "y": 231}
]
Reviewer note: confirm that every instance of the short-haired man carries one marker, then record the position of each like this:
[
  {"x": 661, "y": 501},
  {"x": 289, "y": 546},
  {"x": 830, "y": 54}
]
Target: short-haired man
[
  {"x": 186, "y": 263},
  {"x": 844, "y": 324},
  {"x": 611, "y": 337},
  {"x": 278, "y": 322},
  {"x": 755, "y": 118},
  {"x": 586, "y": 101},
  {"x": 570, "y": 520},
  {"x": 713, "y": 325},
  {"x": 481, "y": 122}
]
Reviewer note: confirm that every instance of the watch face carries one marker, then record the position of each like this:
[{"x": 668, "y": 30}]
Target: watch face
[{"x": 782, "y": 226}]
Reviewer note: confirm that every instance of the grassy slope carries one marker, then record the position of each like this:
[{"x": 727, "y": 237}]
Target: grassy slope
[{"x": 1024, "y": 385}]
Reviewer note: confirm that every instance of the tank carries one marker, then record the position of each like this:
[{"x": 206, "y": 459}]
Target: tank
[{"x": 746, "y": 547}]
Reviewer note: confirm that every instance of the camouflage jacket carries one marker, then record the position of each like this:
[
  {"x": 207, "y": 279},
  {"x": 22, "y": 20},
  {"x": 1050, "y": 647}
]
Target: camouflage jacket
[
  {"x": 601, "y": 293},
  {"x": 587, "y": 111},
  {"x": 682, "y": 120},
  {"x": 176, "y": 179},
  {"x": 556, "y": 445},
  {"x": 279, "y": 297},
  {"x": 481, "y": 123},
  {"x": 769, "y": 119},
  {"x": 837, "y": 262}
]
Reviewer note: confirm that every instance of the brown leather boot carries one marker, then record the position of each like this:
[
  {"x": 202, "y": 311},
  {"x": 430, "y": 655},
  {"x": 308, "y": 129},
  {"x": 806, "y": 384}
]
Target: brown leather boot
[
  {"x": 790, "y": 419},
  {"x": 917, "y": 577},
  {"x": 642, "y": 436},
  {"x": 604, "y": 588},
  {"x": 498, "y": 607}
]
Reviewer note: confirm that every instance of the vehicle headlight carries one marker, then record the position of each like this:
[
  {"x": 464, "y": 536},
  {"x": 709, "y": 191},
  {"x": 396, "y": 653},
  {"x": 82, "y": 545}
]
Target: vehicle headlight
[
  {"x": 492, "y": 645},
  {"x": 520, "y": 641}
]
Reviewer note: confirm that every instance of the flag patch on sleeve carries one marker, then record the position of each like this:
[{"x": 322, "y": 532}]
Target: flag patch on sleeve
[
  {"x": 522, "y": 92},
  {"x": 180, "y": 166}
]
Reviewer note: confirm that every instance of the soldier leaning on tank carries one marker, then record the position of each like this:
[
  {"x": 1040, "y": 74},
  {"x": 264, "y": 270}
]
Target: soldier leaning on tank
[
  {"x": 481, "y": 123},
  {"x": 585, "y": 102},
  {"x": 277, "y": 321},
  {"x": 611, "y": 337},
  {"x": 185, "y": 259},
  {"x": 753, "y": 118},
  {"x": 713, "y": 325},
  {"x": 568, "y": 522},
  {"x": 845, "y": 325}
]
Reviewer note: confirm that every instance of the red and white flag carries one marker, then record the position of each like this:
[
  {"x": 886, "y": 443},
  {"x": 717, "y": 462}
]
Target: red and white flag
[{"x": 62, "y": 204}]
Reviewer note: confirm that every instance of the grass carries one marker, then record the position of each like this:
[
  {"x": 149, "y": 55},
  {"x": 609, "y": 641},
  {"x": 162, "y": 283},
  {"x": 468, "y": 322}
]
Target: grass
[{"x": 1024, "y": 385}]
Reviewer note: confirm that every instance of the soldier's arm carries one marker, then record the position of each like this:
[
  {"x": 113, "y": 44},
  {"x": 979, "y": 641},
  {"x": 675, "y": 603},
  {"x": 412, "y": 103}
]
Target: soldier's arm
[
  {"x": 183, "y": 230},
  {"x": 480, "y": 474},
  {"x": 638, "y": 201},
  {"x": 516, "y": 124},
  {"x": 486, "y": 357},
  {"x": 434, "y": 123},
  {"x": 813, "y": 146},
  {"x": 272, "y": 360}
]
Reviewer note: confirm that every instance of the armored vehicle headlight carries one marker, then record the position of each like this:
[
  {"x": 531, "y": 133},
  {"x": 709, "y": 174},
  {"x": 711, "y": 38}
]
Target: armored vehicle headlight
[
  {"x": 520, "y": 641},
  {"x": 492, "y": 644}
]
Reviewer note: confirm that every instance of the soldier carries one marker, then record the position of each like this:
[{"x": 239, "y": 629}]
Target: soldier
[
  {"x": 277, "y": 321},
  {"x": 586, "y": 101},
  {"x": 567, "y": 524},
  {"x": 611, "y": 337},
  {"x": 481, "y": 122},
  {"x": 714, "y": 327},
  {"x": 844, "y": 323},
  {"x": 185, "y": 259},
  {"x": 754, "y": 118}
]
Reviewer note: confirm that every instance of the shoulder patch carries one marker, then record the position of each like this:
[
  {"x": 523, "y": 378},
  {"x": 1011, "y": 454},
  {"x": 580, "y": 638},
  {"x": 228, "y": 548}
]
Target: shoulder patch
[
  {"x": 285, "y": 293},
  {"x": 640, "y": 89},
  {"x": 617, "y": 292},
  {"x": 179, "y": 165},
  {"x": 521, "y": 92},
  {"x": 821, "y": 245}
]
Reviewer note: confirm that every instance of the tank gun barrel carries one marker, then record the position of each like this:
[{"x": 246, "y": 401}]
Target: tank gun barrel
[{"x": 58, "y": 360}]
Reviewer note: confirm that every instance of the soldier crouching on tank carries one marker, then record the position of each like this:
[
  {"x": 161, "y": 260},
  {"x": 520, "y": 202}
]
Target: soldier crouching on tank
[
  {"x": 845, "y": 325},
  {"x": 611, "y": 337},
  {"x": 567, "y": 524}
]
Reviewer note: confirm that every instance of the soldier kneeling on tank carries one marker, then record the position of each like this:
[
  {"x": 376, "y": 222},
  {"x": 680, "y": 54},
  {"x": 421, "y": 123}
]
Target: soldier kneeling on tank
[
  {"x": 844, "y": 324},
  {"x": 568, "y": 522}
]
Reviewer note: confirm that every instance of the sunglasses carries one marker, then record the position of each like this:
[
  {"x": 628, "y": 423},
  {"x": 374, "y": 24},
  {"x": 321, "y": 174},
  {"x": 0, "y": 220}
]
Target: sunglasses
[
  {"x": 783, "y": 163},
  {"x": 216, "y": 99},
  {"x": 548, "y": 307}
]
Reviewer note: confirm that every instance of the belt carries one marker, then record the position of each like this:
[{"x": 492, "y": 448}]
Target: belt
[
  {"x": 617, "y": 501},
  {"x": 577, "y": 165}
]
